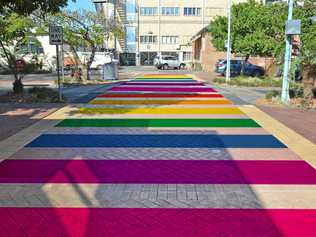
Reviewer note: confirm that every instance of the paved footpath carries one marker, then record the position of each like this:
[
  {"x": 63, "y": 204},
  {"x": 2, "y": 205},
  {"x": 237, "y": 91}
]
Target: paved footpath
[{"x": 160, "y": 155}]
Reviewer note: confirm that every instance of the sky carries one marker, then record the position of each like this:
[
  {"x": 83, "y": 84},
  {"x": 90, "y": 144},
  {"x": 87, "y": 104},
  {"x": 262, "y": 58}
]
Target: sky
[{"x": 81, "y": 4}]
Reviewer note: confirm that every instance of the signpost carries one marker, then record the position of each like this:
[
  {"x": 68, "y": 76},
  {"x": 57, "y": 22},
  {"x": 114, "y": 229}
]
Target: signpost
[
  {"x": 293, "y": 27},
  {"x": 56, "y": 38}
]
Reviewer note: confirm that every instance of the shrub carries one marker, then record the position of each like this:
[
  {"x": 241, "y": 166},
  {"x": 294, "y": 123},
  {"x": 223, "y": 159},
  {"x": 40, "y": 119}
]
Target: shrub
[
  {"x": 272, "y": 94},
  {"x": 44, "y": 94},
  {"x": 252, "y": 81}
]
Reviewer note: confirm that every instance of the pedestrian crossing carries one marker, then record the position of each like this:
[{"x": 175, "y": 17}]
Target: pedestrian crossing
[{"x": 159, "y": 155}]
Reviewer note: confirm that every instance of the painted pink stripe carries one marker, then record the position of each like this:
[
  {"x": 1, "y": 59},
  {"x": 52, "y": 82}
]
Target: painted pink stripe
[
  {"x": 157, "y": 171},
  {"x": 97, "y": 222},
  {"x": 163, "y": 83},
  {"x": 159, "y": 89}
]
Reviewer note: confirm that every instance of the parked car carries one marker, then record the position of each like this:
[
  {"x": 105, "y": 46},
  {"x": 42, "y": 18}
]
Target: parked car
[
  {"x": 166, "y": 62},
  {"x": 236, "y": 68}
]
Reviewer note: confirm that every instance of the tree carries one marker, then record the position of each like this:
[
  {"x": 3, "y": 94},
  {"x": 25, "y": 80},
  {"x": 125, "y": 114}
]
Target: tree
[
  {"x": 26, "y": 7},
  {"x": 308, "y": 46},
  {"x": 256, "y": 29},
  {"x": 16, "y": 27},
  {"x": 86, "y": 29},
  {"x": 15, "y": 31}
]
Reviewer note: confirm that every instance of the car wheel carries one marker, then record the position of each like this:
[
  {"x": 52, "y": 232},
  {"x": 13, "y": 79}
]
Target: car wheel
[
  {"x": 182, "y": 66},
  {"x": 165, "y": 67}
]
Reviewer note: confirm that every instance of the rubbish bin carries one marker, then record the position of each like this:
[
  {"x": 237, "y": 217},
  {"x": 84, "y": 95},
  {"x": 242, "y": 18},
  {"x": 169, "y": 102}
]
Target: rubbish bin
[{"x": 110, "y": 71}]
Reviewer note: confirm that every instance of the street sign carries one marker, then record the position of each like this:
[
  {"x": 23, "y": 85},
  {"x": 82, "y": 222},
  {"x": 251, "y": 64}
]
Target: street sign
[
  {"x": 293, "y": 27},
  {"x": 55, "y": 35}
]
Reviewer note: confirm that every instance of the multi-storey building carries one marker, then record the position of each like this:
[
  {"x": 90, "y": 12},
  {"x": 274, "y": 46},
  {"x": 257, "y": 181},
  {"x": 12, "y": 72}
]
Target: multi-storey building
[{"x": 163, "y": 27}]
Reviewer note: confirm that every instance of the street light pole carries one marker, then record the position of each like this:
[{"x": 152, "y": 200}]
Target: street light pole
[
  {"x": 285, "y": 97},
  {"x": 229, "y": 40}
]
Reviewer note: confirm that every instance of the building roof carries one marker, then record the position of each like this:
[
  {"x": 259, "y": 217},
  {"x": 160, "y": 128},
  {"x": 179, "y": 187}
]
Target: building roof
[{"x": 199, "y": 34}]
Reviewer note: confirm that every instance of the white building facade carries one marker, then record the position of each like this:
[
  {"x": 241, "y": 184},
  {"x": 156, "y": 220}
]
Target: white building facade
[{"x": 161, "y": 27}]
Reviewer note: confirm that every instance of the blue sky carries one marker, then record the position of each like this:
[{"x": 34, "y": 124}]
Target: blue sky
[{"x": 81, "y": 4}]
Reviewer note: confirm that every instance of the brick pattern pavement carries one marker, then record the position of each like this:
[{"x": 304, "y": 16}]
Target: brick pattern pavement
[{"x": 154, "y": 207}]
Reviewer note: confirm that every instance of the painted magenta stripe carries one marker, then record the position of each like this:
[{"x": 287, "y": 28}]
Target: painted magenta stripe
[
  {"x": 159, "y": 89},
  {"x": 159, "y": 141},
  {"x": 158, "y": 172},
  {"x": 157, "y": 95},
  {"x": 164, "y": 80},
  {"x": 161, "y": 102},
  {"x": 233, "y": 123},
  {"x": 163, "y": 84},
  {"x": 161, "y": 110},
  {"x": 131, "y": 222}
]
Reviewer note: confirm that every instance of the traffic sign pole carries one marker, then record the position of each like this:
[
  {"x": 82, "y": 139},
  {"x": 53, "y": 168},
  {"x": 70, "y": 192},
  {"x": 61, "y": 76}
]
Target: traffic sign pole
[
  {"x": 58, "y": 73},
  {"x": 56, "y": 38}
]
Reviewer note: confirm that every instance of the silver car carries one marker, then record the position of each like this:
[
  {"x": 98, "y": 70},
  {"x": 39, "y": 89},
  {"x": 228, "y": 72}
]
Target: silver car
[{"x": 166, "y": 62}]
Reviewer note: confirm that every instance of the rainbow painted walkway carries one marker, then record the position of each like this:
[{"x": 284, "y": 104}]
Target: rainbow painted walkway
[{"x": 157, "y": 156}]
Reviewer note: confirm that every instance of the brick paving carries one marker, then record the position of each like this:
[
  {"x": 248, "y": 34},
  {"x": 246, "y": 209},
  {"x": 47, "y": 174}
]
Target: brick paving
[
  {"x": 69, "y": 187},
  {"x": 16, "y": 117}
]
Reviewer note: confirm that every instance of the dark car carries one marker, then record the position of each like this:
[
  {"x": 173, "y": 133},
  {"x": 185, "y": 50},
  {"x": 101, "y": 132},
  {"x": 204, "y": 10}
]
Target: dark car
[{"x": 236, "y": 68}]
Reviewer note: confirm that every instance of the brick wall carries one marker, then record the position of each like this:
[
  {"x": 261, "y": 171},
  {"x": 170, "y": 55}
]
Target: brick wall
[{"x": 208, "y": 56}]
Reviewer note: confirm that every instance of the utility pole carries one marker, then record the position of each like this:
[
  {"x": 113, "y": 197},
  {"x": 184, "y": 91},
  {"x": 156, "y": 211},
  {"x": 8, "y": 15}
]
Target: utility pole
[
  {"x": 138, "y": 33},
  {"x": 285, "y": 97},
  {"x": 159, "y": 30},
  {"x": 228, "y": 45}
]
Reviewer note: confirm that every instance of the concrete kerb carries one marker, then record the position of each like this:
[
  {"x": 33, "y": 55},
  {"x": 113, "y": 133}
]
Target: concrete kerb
[{"x": 296, "y": 142}]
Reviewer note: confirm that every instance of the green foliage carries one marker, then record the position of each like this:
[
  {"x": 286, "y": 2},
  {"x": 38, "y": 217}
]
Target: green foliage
[
  {"x": 308, "y": 36},
  {"x": 15, "y": 30},
  {"x": 44, "y": 94},
  {"x": 272, "y": 94},
  {"x": 251, "y": 81},
  {"x": 256, "y": 29},
  {"x": 26, "y": 7}
]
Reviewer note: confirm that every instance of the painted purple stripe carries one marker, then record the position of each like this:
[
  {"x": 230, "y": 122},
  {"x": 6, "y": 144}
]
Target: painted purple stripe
[
  {"x": 159, "y": 89},
  {"x": 131, "y": 222},
  {"x": 157, "y": 172}
]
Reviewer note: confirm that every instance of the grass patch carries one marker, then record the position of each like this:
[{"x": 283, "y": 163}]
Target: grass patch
[{"x": 251, "y": 81}]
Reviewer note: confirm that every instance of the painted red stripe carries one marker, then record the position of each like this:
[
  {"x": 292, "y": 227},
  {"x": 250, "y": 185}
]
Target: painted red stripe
[
  {"x": 157, "y": 171},
  {"x": 158, "y": 95},
  {"x": 159, "y": 89},
  {"x": 87, "y": 222}
]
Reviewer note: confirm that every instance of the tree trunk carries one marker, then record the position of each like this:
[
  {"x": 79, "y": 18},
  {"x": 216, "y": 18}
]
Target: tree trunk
[
  {"x": 77, "y": 62},
  {"x": 309, "y": 79},
  {"x": 91, "y": 59},
  {"x": 243, "y": 64},
  {"x": 11, "y": 61}
]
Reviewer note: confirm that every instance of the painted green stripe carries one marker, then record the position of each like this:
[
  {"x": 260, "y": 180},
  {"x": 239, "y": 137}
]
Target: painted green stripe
[{"x": 158, "y": 123}]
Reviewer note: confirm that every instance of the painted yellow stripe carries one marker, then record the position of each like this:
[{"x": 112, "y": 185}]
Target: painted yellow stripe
[
  {"x": 161, "y": 102},
  {"x": 161, "y": 111}
]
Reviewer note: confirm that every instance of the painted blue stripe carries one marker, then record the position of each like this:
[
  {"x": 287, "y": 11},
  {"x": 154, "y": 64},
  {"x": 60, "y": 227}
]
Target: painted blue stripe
[{"x": 161, "y": 141}]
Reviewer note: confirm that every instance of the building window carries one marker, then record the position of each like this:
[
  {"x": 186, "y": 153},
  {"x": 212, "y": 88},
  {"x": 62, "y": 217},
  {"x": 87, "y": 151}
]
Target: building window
[
  {"x": 187, "y": 56},
  {"x": 148, "y": 11},
  {"x": 170, "y": 39},
  {"x": 131, "y": 38},
  {"x": 148, "y": 39},
  {"x": 130, "y": 10},
  {"x": 170, "y": 11},
  {"x": 192, "y": 11}
]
